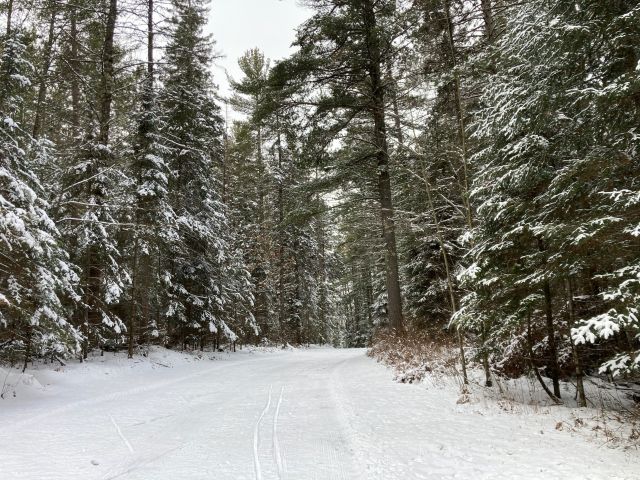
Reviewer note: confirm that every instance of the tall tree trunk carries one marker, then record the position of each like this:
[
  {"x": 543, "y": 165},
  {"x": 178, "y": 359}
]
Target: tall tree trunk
[
  {"x": 74, "y": 63},
  {"x": 322, "y": 278},
  {"x": 460, "y": 114},
  {"x": 280, "y": 200},
  {"x": 261, "y": 213},
  {"x": 553, "y": 397},
  {"x": 44, "y": 74},
  {"x": 105, "y": 100},
  {"x": 142, "y": 265},
  {"x": 261, "y": 306},
  {"x": 485, "y": 356},
  {"x": 225, "y": 157},
  {"x": 86, "y": 308},
  {"x": 298, "y": 289},
  {"x": 147, "y": 269},
  {"x": 487, "y": 16},
  {"x": 374, "y": 66},
  {"x": 9, "y": 16},
  {"x": 150, "y": 36},
  {"x": 107, "y": 81},
  {"x": 357, "y": 305},
  {"x": 582, "y": 398},
  {"x": 28, "y": 346},
  {"x": 554, "y": 369},
  {"x": 133, "y": 312}
]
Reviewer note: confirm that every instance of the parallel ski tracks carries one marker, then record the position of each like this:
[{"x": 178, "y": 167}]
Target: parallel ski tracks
[{"x": 277, "y": 451}]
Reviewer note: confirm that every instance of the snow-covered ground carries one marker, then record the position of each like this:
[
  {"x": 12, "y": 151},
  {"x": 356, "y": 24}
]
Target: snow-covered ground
[{"x": 306, "y": 414}]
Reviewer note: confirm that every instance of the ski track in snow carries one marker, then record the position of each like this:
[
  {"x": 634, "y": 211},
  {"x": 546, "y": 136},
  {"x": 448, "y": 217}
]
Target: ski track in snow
[
  {"x": 338, "y": 416},
  {"x": 276, "y": 443},
  {"x": 137, "y": 464},
  {"x": 256, "y": 436},
  {"x": 79, "y": 405},
  {"x": 124, "y": 439}
]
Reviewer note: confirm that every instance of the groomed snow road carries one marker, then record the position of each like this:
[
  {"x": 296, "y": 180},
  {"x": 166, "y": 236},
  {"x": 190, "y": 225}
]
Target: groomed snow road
[{"x": 313, "y": 414}]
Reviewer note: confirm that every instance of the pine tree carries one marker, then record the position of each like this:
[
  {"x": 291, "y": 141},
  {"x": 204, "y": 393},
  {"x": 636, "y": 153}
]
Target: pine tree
[
  {"x": 250, "y": 179},
  {"x": 343, "y": 51}
]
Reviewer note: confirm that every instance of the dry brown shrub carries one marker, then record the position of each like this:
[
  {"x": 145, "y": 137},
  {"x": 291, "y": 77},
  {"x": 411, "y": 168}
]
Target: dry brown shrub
[{"x": 416, "y": 353}]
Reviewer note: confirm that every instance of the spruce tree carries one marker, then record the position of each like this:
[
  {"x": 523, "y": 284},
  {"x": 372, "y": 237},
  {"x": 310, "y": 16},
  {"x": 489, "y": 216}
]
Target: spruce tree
[
  {"x": 153, "y": 217},
  {"x": 197, "y": 272},
  {"x": 87, "y": 208},
  {"x": 36, "y": 278},
  {"x": 555, "y": 165}
]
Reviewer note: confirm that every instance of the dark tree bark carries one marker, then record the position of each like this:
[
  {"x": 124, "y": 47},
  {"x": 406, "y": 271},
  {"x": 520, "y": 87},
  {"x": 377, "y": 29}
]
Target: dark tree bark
[
  {"x": 107, "y": 82},
  {"x": 142, "y": 265},
  {"x": 94, "y": 267},
  {"x": 133, "y": 312},
  {"x": 374, "y": 67},
  {"x": 280, "y": 239},
  {"x": 9, "y": 16},
  {"x": 44, "y": 74},
  {"x": 74, "y": 63},
  {"x": 554, "y": 370},
  {"x": 582, "y": 398},
  {"x": 28, "y": 346},
  {"x": 322, "y": 275},
  {"x": 487, "y": 16},
  {"x": 553, "y": 397}
]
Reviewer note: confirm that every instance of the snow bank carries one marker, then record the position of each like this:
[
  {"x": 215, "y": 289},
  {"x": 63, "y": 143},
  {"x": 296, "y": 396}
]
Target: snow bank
[{"x": 14, "y": 382}]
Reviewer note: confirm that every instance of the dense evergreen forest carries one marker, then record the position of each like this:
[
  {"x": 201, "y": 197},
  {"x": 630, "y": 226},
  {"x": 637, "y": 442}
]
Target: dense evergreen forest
[{"x": 415, "y": 166}]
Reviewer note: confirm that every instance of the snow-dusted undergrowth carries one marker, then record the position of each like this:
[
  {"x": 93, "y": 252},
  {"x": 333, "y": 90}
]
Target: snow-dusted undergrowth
[{"x": 611, "y": 417}]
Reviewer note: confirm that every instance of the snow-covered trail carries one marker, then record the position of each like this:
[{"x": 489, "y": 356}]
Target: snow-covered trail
[{"x": 315, "y": 414}]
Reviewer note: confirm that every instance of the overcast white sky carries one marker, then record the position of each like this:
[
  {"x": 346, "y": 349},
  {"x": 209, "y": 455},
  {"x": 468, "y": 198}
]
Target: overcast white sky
[{"x": 238, "y": 25}]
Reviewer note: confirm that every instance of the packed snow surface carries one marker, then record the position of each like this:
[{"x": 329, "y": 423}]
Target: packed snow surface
[{"x": 305, "y": 414}]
